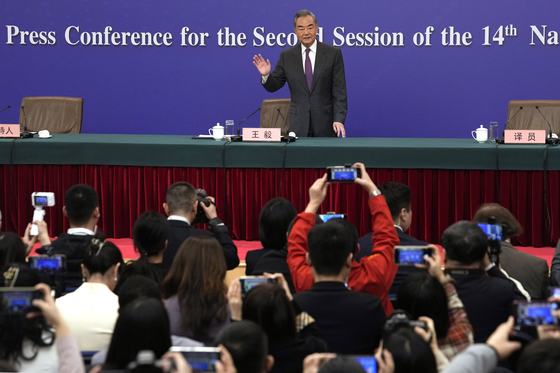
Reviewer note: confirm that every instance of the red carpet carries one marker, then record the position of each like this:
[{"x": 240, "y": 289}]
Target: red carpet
[{"x": 125, "y": 244}]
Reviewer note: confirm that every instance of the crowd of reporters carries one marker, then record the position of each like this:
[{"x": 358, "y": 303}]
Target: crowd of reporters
[{"x": 327, "y": 298}]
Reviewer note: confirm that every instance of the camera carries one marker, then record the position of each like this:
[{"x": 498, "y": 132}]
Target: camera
[
  {"x": 494, "y": 233},
  {"x": 249, "y": 282},
  {"x": 202, "y": 359},
  {"x": 39, "y": 200},
  {"x": 332, "y": 215},
  {"x": 528, "y": 313},
  {"x": 399, "y": 319},
  {"x": 202, "y": 198}
]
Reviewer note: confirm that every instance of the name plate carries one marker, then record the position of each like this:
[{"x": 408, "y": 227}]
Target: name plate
[
  {"x": 525, "y": 137},
  {"x": 262, "y": 134},
  {"x": 9, "y": 130}
]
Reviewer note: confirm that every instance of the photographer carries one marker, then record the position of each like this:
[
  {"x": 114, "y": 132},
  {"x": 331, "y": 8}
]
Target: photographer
[{"x": 182, "y": 206}]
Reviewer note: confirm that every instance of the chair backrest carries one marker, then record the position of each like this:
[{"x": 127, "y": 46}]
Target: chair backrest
[
  {"x": 530, "y": 118},
  {"x": 270, "y": 117},
  {"x": 52, "y": 113}
]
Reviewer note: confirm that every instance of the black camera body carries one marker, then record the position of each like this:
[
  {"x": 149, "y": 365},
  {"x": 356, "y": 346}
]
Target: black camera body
[
  {"x": 399, "y": 319},
  {"x": 201, "y": 197}
]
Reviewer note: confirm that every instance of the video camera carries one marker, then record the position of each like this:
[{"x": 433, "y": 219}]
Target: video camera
[
  {"x": 399, "y": 319},
  {"x": 39, "y": 200}
]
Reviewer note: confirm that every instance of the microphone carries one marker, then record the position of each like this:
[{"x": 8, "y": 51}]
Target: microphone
[
  {"x": 25, "y": 134},
  {"x": 549, "y": 138},
  {"x": 288, "y": 138},
  {"x": 7, "y": 107},
  {"x": 501, "y": 141},
  {"x": 238, "y": 137}
]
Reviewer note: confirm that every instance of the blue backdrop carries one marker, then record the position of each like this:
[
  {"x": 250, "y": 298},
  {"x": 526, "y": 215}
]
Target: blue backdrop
[{"x": 397, "y": 90}]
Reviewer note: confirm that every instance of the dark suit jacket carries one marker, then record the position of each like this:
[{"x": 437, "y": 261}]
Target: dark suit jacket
[
  {"x": 488, "y": 300},
  {"x": 403, "y": 272},
  {"x": 252, "y": 258},
  {"x": 530, "y": 271},
  {"x": 350, "y": 322},
  {"x": 326, "y": 102},
  {"x": 179, "y": 231},
  {"x": 274, "y": 261}
]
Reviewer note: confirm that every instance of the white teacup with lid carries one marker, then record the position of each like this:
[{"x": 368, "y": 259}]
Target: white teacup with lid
[
  {"x": 480, "y": 134},
  {"x": 217, "y": 132}
]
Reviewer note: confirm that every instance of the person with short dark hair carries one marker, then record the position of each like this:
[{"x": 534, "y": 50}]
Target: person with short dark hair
[
  {"x": 410, "y": 351},
  {"x": 374, "y": 274},
  {"x": 529, "y": 270},
  {"x": 81, "y": 207},
  {"x": 274, "y": 219},
  {"x": 351, "y": 322},
  {"x": 486, "y": 293},
  {"x": 91, "y": 311},
  {"x": 248, "y": 346},
  {"x": 150, "y": 237},
  {"x": 141, "y": 325},
  {"x": 181, "y": 206},
  {"x": 194, "y": 290}
]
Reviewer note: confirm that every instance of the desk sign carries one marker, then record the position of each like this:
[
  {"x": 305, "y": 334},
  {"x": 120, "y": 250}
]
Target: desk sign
[
  {"x": 261, "y": 134},
  {"x": 9, "y": 130},
  {"x": 525, "y": 137}
]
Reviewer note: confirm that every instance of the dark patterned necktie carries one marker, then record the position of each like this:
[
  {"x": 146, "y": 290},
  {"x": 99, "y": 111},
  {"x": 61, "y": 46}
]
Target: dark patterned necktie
[{"x": 308, "y": 69}]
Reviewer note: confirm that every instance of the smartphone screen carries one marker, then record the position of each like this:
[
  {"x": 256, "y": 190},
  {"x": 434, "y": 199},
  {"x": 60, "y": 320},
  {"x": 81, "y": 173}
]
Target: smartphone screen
[
  {"x": 493, "y": 231},
  {"x": 48, "y": 264},
  {"x": 343, "y": 174},
  {"x": 19, "y": 300},
  {"x": 247, "y": 283},
  {"x": 410, "y": 255},
  {"x": 326, "y": 217},
  {"x": 368, "y": 362},
  {"x": 201, "y": 358},
  {"x": 536, "y": 313}
]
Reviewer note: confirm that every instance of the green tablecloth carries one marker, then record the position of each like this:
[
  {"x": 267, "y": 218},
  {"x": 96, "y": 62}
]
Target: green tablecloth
[{"x": 183, "y": 151}]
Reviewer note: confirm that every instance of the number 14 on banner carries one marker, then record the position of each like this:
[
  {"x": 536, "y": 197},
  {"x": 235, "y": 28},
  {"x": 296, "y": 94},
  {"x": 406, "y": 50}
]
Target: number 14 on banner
[{"x": 500, "y": 34}]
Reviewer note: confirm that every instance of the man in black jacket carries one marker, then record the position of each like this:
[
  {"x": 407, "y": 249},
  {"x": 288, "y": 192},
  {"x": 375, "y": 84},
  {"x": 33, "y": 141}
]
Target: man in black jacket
[
  {"x": 350, "y": 322},
  {"x": 485, "y": 291},
  {"x": 181, "y": 206}
]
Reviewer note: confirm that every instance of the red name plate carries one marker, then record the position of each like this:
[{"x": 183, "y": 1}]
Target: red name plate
[
  {"x": 525, "y": 137},
  {"x": 261, "y": 134},
  {"x": 9, "y": 130}
]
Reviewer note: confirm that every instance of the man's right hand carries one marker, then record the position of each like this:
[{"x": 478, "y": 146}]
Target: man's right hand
[
  {"x": 365, "y": 181},
  {"x": 262, "y": 65}
]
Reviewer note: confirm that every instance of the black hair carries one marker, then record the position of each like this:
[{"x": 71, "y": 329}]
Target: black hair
[
  {"x": 15, "y": 328},
  {"x": 304, "y": 13},
  {"x": 423, "y": 295},
  {"x": 80, "y": 201},
  {"x": 410, "y": 352},
  {"x": 150, "y": 235},
  {"x": 397, "y": 196},
  {"x": 180, "y": 197},
  {"x": 12, "y": 249},
  {"x": 540, "y": 356},
  {"x": 465, "y": 242},
  {"x": 329, "y": 245},
  {"x": 142, "y": 325},
  {"x": 135, "y": 287},
  {"x": 247, "y": 344},
  {"x": 274, "y": 219},
  {"x": 342, "y": 364},
  {"x": 269, "y": 306},
  {"x": 101, "y": 255}
]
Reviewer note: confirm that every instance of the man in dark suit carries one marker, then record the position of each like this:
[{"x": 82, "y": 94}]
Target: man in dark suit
[
  {"x": 315, "y": 75},
  {"x": 181, "y": 206},
  {"x": 485, "y": 291},
  {"x": 350, "y": 322},
  {"x": 397, "y": 196},
  {"x": 529, "y": 270}
]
